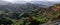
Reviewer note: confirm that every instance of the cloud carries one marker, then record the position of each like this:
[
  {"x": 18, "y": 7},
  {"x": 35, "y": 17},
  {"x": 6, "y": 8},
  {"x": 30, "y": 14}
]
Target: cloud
[{"x": 35, "y": 0}]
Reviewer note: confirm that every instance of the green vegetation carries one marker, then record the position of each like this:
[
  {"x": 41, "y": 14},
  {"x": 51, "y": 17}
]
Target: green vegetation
[
  {"x": 1, "y": 12},
  {"x": 33, "y": 17}
]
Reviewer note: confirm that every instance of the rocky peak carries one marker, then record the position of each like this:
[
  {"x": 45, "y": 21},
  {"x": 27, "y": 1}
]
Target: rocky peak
[{"x": 56, "y": 7}]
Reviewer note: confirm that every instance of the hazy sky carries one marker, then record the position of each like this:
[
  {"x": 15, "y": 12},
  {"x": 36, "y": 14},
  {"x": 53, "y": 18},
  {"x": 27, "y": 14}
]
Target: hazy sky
[
  {"x": 31, "y": 0},
  {"x": 36, "y": 0},
  {"x": 12, "y": 1}
]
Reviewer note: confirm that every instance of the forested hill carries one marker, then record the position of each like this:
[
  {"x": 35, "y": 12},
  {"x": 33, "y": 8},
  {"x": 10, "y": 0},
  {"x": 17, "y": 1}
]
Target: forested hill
[
  {"x": 28, "y": 14},
  {"x": 20, "y": 7}
]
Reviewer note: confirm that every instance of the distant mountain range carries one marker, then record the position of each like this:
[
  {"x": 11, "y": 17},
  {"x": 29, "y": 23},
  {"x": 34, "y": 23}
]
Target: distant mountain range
[
  {"x": 49, "y": 3},
  {"x": 3, "y": 3},
  {"x": 15, "y": 7}
]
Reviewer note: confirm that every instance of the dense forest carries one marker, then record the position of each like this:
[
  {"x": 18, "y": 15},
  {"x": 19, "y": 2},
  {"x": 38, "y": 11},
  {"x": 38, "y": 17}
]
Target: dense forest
[{"x": 28, "y": 14}]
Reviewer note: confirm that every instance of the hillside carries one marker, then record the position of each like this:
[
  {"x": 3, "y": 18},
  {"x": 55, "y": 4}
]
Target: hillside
[
  {"x": 19, "y": 7},
  {"x": 56, "y": 19},
  {"x": 28, "y": 14}
]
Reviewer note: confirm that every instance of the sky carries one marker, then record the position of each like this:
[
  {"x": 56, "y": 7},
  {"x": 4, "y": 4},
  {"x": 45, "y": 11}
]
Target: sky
[
  {"x": 12, "y": 1},
  {"x": 37, "y": 0}
]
